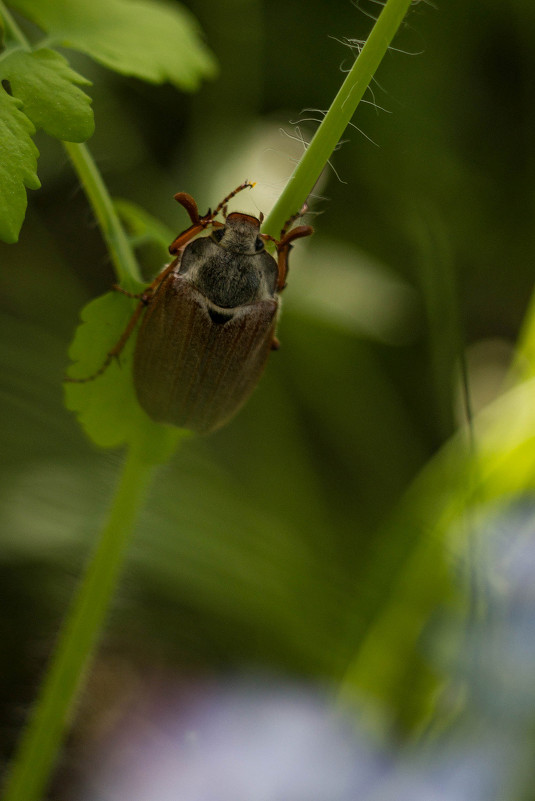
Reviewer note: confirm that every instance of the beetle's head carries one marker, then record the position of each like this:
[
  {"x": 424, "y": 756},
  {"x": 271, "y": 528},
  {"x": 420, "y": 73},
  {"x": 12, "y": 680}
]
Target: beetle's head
[{"x": 240, "y": 234}]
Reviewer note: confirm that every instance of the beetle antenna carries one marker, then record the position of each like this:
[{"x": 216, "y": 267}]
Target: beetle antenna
[{"x": 240, "y": 188}]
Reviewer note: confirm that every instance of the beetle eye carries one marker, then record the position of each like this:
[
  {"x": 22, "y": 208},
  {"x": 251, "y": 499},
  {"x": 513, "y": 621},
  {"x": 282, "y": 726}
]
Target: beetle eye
[
  {"x": 218, "y": 234},
  {"x": 259, "y": 244}
]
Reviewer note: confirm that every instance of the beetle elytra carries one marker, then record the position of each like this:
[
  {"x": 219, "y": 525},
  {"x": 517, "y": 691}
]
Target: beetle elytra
[{"x": 209, "y": 318}]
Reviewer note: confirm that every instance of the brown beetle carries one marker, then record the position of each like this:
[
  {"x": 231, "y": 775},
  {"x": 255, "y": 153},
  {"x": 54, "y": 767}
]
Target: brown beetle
[{"x": 210, "y": 319}]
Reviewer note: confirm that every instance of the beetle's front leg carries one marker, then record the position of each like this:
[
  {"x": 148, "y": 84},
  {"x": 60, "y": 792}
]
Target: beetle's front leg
[{"x": 284, "y": 245}]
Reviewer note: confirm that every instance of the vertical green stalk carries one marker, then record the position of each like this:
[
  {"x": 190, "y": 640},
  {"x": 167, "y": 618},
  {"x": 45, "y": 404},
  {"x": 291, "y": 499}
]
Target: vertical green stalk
[
  {"x": 43, "y": 736},
  {"x": 338, "y": 116},
  {"x": 14, "y": 30},
  {"x": 124, "y": 261}
]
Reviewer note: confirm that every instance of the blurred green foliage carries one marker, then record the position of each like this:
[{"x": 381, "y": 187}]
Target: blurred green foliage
[{"x": 286, "y": 541}]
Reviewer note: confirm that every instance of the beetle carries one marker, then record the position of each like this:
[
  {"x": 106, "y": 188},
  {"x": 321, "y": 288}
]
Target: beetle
[{"x": 209, "y": 318}]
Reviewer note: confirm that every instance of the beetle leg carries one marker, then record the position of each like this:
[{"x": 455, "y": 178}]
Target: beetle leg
[
  {"x": 296, "y": 233},
  {"x": 283, "y": 249},
  {"x": 115, "y": 352},
  {"x": 144, "y": 298},
  {"x": 136, "y": 296},
  {"x": 283, "y": 244},
  {"x": 291, "y": 220},
  {"x": 282, "y": 264},
  {"x": 183, "y": 238}
]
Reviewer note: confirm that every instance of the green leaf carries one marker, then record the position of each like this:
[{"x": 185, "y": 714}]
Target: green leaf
[
  {"x": 48, "y": 89},
  {"x": 18, "y": 165},
  {"x": 150, "y": 40},
  {"x": 107, "y": 406}
]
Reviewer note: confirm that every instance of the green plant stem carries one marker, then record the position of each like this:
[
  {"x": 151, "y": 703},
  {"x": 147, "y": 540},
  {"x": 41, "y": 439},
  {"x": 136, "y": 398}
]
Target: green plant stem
[
  {"x": 42, "y": 738},
  {"x": 12, "y": 27},
  {"x": 338, "y": 117},
  {"x": 121, "y": 253}
]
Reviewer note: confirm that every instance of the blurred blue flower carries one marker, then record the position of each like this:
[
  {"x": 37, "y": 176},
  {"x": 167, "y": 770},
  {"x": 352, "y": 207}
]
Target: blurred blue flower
[
  {"x": 240, "y": 743},
  {"x": 498, "y": 657},
  {"x": 265, "y": 742},
  {"x": 262, "y": 741}
]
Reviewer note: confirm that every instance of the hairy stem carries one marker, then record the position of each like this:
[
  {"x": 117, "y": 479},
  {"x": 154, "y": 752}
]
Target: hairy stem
[
  {"x": 121, "y": 253},
  {"x": 338, "y": 116}
]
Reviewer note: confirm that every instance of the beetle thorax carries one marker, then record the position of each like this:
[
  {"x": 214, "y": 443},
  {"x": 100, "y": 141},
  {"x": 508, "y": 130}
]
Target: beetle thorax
[{"x": 230, "y": 267}]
